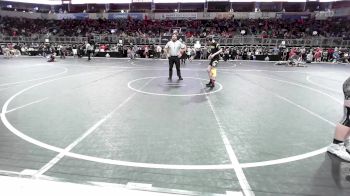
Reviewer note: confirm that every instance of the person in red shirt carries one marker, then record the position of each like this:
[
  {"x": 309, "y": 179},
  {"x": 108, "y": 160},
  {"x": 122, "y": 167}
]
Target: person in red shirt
[
  {"x": 330, "y": 53},
  {"x": 292, "y": 53},
  {"x": 103, "y": 48},
  {"x": 318, "y": 55}
]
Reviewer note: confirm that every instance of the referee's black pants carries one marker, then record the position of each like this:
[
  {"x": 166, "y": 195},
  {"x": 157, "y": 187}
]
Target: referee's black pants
[{"x": 172, "y": 60}]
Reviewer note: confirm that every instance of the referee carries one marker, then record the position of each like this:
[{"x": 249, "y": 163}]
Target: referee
[{"x": 174, "y": 50}]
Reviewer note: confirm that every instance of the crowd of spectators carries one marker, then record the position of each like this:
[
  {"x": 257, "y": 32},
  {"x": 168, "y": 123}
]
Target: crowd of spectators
[
  {"x": 305, "y": 54},
  {"x": 280, "y": 53},
  {"x": 265, "y": 28},
  {"x": 191, "y": 29}
]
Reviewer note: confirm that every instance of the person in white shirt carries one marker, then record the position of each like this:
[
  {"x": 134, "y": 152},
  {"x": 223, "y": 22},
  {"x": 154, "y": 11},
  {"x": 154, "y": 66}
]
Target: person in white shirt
[
  {"x": 62, "y": 50},
  {"x": 88, "y": 49},
  {"x": 75, "y": 50},
  {"x": 184, "y": 54},
  {"x": 309, "y": 57},
  {"x": 197, "y": 47},
  {"x": 189, "y": 53},
  {"x": 159, "y": 51},
  {"x": 174, "y": 50}
]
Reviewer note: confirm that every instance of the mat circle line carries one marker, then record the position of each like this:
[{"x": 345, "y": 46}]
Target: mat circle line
[{"x": 172, "y": 95}]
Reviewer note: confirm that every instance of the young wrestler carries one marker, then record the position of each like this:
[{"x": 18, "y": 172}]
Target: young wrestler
[
  {"x": 214, "y": 57},
  {"x": 342, "y": 130}
]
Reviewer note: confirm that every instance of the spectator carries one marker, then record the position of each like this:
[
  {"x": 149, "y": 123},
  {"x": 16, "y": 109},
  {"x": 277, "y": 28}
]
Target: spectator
[{"x": 309, "y": 57}]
